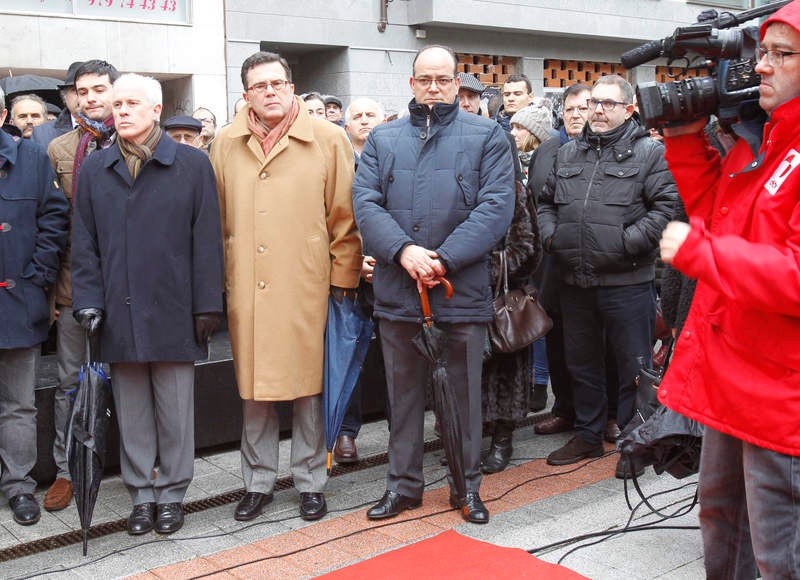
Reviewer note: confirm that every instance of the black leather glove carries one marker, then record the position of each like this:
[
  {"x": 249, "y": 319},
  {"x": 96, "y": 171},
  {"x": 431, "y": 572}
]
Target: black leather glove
[
  {"x": 340, "y": 293},
  {"x": 206, "y": 324},
  {"x": 90, "y": 319}
]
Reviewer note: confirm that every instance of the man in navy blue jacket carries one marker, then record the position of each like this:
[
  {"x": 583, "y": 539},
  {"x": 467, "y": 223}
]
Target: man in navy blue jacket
[
  {"x": 34, "y": 215},
  {"x": 432, "y": 196}
]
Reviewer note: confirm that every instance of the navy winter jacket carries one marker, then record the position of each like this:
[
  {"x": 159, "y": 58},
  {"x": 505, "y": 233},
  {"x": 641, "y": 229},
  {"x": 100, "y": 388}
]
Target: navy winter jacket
[
  {"x": 442, "y": 179},
  {"x": 34, "y": 216}
]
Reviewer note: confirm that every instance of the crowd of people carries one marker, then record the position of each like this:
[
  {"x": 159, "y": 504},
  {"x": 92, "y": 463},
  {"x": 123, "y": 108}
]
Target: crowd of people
[{"x": 130, "y": 229}]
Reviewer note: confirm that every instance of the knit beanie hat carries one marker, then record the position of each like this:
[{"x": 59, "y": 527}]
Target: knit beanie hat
[{"x": 536, "y": 118}]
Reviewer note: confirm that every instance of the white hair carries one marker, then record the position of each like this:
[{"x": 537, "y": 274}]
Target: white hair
[
  {"x": 364, "y": 101},
  {"x": 150, "y": 86}
]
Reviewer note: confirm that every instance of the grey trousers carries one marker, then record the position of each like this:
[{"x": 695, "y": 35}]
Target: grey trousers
[
  {"x": 407, "y": 374},
  {"x": 260, "y": 445},
  {"x": 749, "y": 510},
  {"x": 155, "y": 414},
  {"x": 70, "y": 354},
  {"x": 17, "y": 419}
]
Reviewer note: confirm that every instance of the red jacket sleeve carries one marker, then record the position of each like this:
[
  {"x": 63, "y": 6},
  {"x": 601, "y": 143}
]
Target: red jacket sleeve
[{"x": 695, "y": 165}]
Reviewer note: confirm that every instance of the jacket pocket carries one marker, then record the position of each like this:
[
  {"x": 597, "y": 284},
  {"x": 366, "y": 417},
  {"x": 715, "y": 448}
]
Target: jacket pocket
[
  {"x": 319, "y": 257},
  {"x": 467, "y": 180},
  {"x": 623, "y": 184},
  {"x": 568, "y": 188},
  {"x": 385, "y": 168}
]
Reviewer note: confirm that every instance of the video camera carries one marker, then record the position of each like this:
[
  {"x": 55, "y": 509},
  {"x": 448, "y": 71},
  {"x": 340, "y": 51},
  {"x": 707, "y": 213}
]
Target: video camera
[{"x": 729, "y": 53}]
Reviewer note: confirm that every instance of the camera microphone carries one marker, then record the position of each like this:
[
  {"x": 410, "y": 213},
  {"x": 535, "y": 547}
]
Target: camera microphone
[{"x": 642, "y": 54}]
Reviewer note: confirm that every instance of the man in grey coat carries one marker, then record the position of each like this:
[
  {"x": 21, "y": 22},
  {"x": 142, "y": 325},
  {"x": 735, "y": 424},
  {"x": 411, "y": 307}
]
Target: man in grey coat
[
  {"x": 434, "y": 193},
  {"x": 147, "y": 274}
]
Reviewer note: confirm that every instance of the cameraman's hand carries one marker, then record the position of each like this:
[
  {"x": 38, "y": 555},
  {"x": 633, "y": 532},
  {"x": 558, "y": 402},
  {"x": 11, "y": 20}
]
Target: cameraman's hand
[
  {"x": 90, "y": 319},
  {"x": 689, "y": 128},
  {"x": 672, "y": 239}
]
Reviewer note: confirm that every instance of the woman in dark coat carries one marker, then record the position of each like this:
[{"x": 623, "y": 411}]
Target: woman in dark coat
[{"x": 506, "y": 377}]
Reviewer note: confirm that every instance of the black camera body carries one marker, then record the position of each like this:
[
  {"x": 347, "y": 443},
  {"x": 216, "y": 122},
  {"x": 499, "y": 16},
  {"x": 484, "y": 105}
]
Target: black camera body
[{"x": 728, "y": 52}]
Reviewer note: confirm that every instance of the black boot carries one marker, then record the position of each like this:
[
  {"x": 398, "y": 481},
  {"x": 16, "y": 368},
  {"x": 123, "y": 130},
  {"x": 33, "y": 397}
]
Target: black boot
[
  {"x": 500, "y": 452},
  {"x": 538, "y": 398}
]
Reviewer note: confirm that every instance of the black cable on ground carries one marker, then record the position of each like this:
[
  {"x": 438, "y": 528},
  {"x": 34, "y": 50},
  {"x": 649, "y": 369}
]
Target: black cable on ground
[{"x": 281, "y": 520}]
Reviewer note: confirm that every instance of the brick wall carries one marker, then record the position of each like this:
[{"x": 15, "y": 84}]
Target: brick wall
[{"x": 490, "y": 70}]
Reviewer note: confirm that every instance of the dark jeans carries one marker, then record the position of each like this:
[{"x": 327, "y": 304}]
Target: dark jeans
[
  {"x": 621, "y": 318},
  {"x": 371, "y": 379},
  {"x": 351, "y": 424}
]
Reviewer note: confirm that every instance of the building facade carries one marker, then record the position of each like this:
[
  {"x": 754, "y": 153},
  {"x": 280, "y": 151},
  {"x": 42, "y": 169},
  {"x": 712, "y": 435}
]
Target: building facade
[
  {"x": 179, "y": 42},
  {"x": 349, "y": 48}
]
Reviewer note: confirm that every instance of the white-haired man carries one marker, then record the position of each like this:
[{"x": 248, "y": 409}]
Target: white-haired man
[{"x": 147, "y": 278}]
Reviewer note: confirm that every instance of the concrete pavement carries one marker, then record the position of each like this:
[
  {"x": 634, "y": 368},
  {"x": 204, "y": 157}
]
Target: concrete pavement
[{"x": 532, "y": 505}]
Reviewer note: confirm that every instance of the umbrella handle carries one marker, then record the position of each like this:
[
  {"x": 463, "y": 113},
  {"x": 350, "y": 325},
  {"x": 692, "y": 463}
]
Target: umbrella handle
[{"x": 426, "y": 305}]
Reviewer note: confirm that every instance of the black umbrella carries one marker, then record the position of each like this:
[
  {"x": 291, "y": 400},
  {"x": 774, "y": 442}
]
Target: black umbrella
[
  {"x": 86, "y": 438},
  {"x": 431, "y": 343},
  {"x": 45, "y": 87}
]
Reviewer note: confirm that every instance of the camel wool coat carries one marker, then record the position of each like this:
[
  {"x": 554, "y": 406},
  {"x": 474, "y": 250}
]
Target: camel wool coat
[{"x": 289, "y": 234}]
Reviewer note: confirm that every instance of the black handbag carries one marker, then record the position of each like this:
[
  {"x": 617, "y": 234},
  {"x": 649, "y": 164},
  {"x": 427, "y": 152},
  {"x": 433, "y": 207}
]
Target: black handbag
[{"x": 519, "y": 318}]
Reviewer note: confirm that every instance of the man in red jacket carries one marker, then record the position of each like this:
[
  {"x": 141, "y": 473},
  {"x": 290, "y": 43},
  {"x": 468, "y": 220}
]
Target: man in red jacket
[{"x": 737, "y": 363}]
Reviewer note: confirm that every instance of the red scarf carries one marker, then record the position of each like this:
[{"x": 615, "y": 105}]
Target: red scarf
[{"x": 268, "y": 137}]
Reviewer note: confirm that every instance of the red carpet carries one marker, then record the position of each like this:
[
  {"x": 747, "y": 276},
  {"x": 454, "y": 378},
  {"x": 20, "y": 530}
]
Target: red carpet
[{"x": 451, "y": 555}]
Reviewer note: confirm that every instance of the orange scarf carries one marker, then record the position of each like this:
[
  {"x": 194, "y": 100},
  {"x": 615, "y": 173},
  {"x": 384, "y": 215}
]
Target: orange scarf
[{"x": 268, "y": 137}]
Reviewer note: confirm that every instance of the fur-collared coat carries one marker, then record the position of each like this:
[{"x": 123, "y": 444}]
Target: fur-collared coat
[{"x": 506, "y": 377}]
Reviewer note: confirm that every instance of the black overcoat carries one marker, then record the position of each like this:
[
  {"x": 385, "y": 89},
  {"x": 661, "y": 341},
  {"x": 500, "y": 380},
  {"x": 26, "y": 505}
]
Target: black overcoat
[{"x": 148, "y": 252}]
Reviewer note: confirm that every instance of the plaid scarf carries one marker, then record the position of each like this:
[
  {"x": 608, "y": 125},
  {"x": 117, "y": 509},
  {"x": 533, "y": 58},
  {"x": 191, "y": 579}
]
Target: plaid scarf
[
  {"x": 93, "y": 132},
  {"x": 268, "y": 137},
  {"x": 137, "y": 155}
]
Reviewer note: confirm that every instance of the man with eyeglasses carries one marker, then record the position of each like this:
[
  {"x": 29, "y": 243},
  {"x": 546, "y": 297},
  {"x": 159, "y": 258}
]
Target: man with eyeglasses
[
  {"x": 601, "y": 214},
  {"x": 284, "y": 182},
  {"x": 209, "y": 131},
  {"x": 433, "y": 195},
  {"x": 735, "y": 367},
  {"x": 575, "y": 114}
]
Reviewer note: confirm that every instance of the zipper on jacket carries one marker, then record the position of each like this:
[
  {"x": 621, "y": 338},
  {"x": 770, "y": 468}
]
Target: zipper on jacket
[{"x": 585, "y": 203}]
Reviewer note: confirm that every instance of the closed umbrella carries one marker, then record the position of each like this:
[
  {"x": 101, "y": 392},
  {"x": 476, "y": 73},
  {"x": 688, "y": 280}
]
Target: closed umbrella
[
  {"x": 431, "y": 342},
  {"x": 86, "y": 438},
  {"x": 347, "y": 335}
]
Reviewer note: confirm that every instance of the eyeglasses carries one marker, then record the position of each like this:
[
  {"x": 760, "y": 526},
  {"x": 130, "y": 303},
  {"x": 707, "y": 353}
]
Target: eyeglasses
[
  {"x": 607, "y": 104},
  {"x": 576, "y": 111},
  {"x": 774, "y": 57},
  {"x": 442, "y": 83},
  {"x": 277, "y": 86}
]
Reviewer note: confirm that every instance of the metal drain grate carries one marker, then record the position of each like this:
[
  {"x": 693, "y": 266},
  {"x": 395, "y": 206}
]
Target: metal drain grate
[{"x": 283, "y": 483}]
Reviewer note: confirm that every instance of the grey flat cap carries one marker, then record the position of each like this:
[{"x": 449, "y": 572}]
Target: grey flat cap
[{"x": 470, "y": 83}]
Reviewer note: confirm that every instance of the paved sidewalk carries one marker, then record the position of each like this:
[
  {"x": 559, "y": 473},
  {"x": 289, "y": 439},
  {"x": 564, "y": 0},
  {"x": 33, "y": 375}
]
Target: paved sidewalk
[{"x": 532, "y": 505}]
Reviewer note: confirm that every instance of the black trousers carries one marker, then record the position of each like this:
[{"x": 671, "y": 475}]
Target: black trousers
[{"x": 620, "y": 318}]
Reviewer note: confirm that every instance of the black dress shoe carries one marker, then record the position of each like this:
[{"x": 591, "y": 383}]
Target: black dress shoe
[
  {"x": 251, "y": 506},
  {"x": 141, "y": 519},
  {"x": 391, "y": 504},
  {"x": 312, "y": 506},
  {"x": 25, "y": 508},
  {"x": 169, "y": 517},
  {"x": 472, "y": 509}
]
